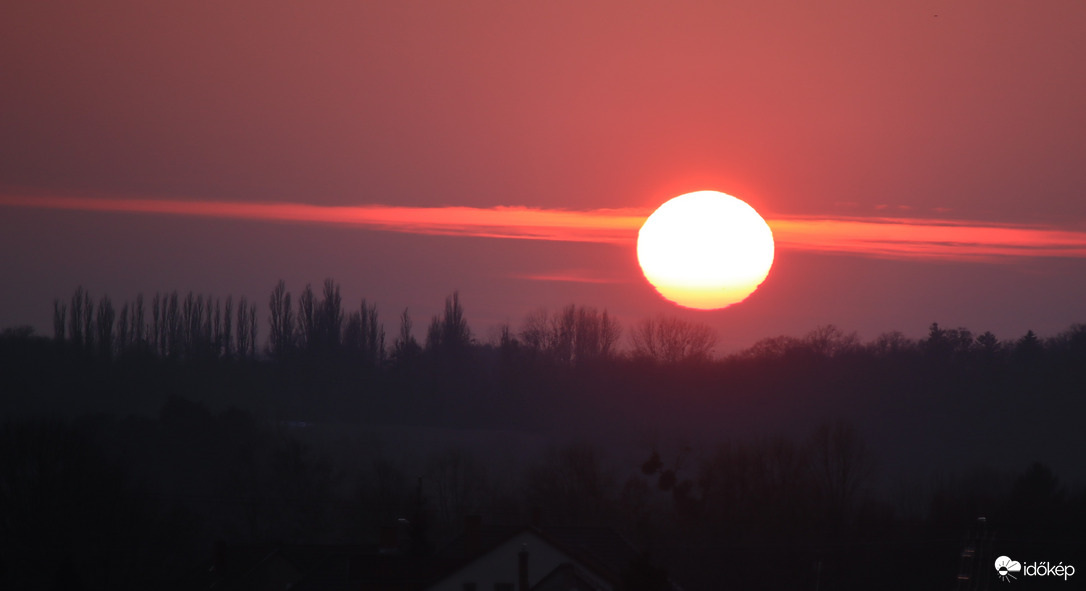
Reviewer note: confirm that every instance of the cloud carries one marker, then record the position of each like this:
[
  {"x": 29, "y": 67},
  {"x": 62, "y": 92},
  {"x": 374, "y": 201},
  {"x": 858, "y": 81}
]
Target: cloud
[
  {"x": 603, "y": 225},
  {"x": 571, "y": 276},
  {"x": 882, "y": 237},
  {"x": 913, "y": 238}
]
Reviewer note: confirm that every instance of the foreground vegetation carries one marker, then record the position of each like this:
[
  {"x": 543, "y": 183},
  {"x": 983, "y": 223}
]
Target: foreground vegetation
[{"x": 136, "y": 438}]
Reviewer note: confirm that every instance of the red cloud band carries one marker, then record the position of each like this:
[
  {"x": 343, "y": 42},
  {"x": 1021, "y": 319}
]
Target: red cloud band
[{"x": 877, "y": 237}]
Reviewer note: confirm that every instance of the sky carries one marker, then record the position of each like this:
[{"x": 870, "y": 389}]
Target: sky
[{"x": 917, "y": 161}]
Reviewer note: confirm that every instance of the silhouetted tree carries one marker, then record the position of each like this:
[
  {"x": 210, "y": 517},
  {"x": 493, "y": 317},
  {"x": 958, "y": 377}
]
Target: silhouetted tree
[
  {"x": 772, "y": 348},
  {"x": 307, "y": 320},
  {"x": 192, "y": 321},
  {"x": 329, "y": 318},
  {"x": 60, "y": 313},
  {"x": 210, "y": 329},
  {"x": 252, "y": 330},
  {"x": 987, "y": 343},
  {"x": 1037, "y": 500},
  {"x": 227, "y": 327},
  {"x": 122, "y": 333},
  {"x": 842, "y": 467},
  {"x": 58, "y": 491},
  {"x": 459, "y": 484},
  {"x": 88, "y": 322},
  {"x": 139, "y": 324},
  {"x": 281, "y": 321},
  {"x": 830, "y": 341},
  {"x": 596, "y": 335},
  {"x": 947, "y": 343},
  {"x": 78, "y": 317},
  {"x": 573, "y": 336},
  {"x": 365, "y": 336},
  {"x": 405, "y": 347},
  {"x": 216, "y": 330},
  {"x": 449, "y": 332},
  {"x": 1028, "y": 348},
  {"x": 891, "y": 343},
  {"x": 157, "y": 329},
  {"x": 175, "y": 327},
  {"x": 572, "y": 485},
  {"x": 672, "y": 340},
  {"x": 246, "y": 339}
]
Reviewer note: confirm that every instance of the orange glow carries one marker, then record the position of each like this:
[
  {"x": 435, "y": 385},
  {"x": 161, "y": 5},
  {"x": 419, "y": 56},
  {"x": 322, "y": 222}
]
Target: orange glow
[
  {"x": 880, "y": 237},
  {"x": 705, "y": 250},
  {"x": 601, "y": 225},
  {"x": 907, "y": 238}
]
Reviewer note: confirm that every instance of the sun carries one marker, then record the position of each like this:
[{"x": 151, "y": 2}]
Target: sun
[{"x": 705, "y": 250}]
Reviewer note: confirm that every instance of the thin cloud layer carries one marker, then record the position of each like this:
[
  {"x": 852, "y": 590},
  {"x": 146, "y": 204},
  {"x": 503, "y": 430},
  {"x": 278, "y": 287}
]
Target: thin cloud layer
[
  {"x": 870, "y": 237},
  {"x": 926, "y": 238},
  {"x": 606, "y": 225}
]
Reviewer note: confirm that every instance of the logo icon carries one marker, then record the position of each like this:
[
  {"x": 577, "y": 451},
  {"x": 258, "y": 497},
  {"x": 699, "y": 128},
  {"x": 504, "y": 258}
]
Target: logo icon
[{"x": 1005, "y": 566}]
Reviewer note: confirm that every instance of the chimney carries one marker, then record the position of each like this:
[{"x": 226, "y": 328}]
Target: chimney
[
  {"x": 522, "y": 569},
  {"x": 472, "y": 525}
]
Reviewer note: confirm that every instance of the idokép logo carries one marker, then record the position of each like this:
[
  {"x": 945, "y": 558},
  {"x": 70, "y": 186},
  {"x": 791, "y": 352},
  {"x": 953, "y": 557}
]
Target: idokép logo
[{"x": 1005, "y": 567}]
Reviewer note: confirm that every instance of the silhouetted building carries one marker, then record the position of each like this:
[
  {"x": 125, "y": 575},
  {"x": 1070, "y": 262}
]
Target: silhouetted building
[{"x": 482, "y": 558}]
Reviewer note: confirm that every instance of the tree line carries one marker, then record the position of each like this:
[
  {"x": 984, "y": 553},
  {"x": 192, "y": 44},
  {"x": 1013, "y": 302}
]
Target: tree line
[
  {"x": 841, "y": 408},
  {"x": 192, "y": 327},
  {"x": 317, "y": 323},
  {"x": 198, "y": 326}
]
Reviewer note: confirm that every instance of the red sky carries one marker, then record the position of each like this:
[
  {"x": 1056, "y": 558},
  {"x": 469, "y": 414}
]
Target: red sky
[{"x": 918, "y": 161}]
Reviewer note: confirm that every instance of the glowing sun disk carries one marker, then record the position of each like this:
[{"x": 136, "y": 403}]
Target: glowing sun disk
[{"x": 705, "y": 250}]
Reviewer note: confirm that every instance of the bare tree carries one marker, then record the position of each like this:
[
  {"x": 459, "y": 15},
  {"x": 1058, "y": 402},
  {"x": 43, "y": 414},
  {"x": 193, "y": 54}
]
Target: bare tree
[
  {"x": 139, "y": 324},
  {"x": 405, "y": 347},
  {"x": 669, "y": 340},
  {"x": 252, "y": 330},
  {"x": 842, "y": 466},
  {"x": 459, "y": 484},
  {"x": 60, "y": 312},
  {"x": 281, "y": 321},
  {"x": 329, "y": 319},
  {"x": 208, "y": 331},
  {"x": 216, "y": 330},
  {"x": 595, "y": 335},
  {"x": 535, "y": 332},
  {"x": 227, "y": 327},
  {"x": 307, "y": 320},
  {"x": 891, "y": 343},
  {"x": 156, "y": 323},
  {"x": 77, "y": 309},
  {"x": 243, "y": 328},
  {"x": 88, "y": 322},
  {"x": 572, "y": 483},
  {"x": 449, "y": 332},
  {"x": 123, "y": 334},
  {"x": 192, "y": 318},
  {"x": 104, "y": 325},
  {"x": 372, "y": 335},
  {"x": 830, "y": 341},
  {"x": 773, "y": 347},
  {"x": 550, "y": 335},
  {"x": 573, "y": 336},
  {"x": 175, "y": 329}
]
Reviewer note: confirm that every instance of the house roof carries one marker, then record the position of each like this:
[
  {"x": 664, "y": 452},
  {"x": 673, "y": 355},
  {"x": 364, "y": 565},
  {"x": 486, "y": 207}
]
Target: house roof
[
  {"x": 564, "y": 577},
  {"x": 600, "y": 549}
]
